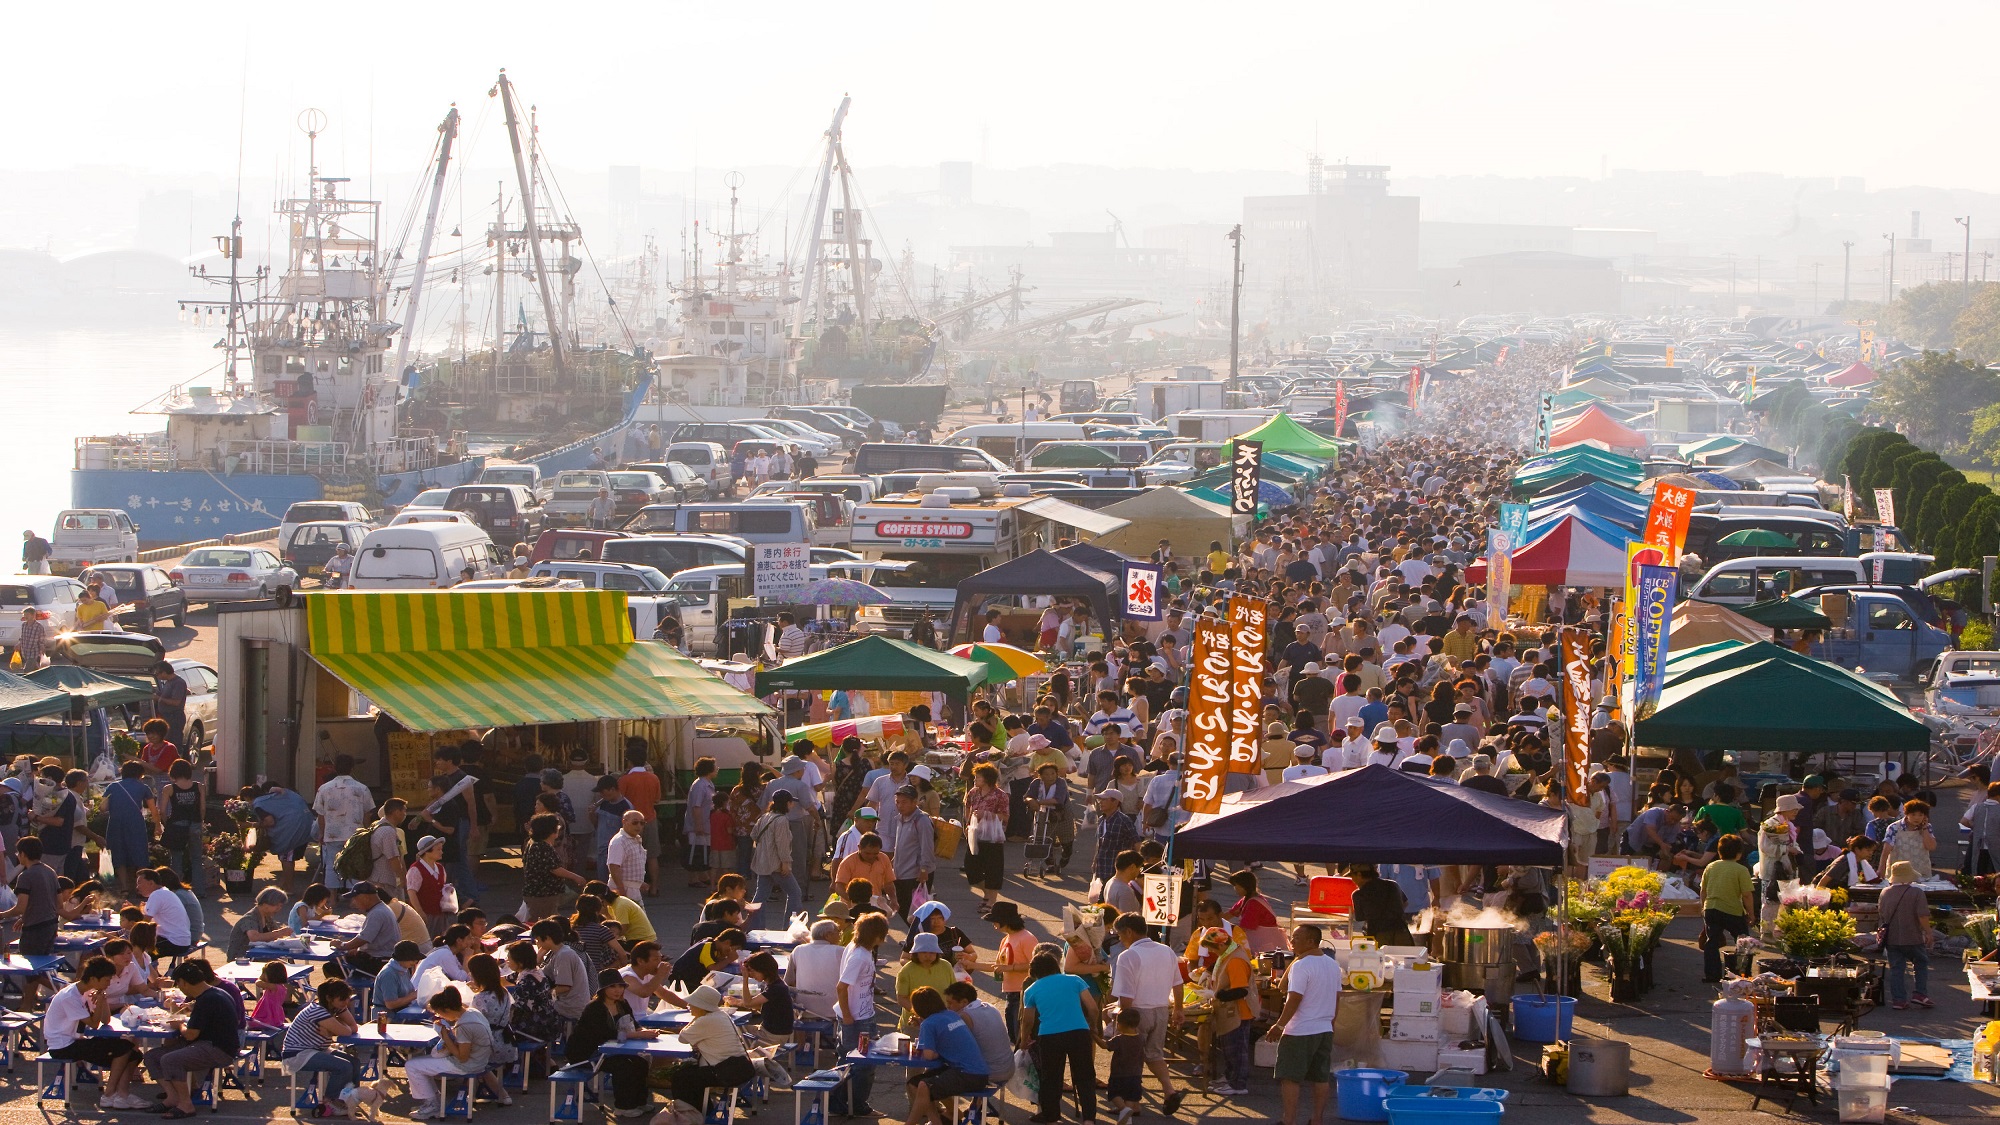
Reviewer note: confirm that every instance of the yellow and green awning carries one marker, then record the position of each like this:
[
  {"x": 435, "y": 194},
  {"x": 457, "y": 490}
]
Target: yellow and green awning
[{"x": 438, "y": 660}]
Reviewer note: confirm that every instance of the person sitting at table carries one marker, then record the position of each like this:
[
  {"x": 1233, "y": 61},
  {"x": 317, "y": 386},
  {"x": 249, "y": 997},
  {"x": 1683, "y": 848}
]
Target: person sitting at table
[
  {"x": 927, "y": 967},
  {"x": 943, "y": 1036},
  {"x": 464, "y": 1047},
  {"x": 564, "y": 967},
  {"x": 533, "y": 1014},
  {"x": 78, "y": 898},
  {"x": 490, "y": 996},
  {"x": 445, "y": 962},
  {"x": 645, "y": 979},
  {"x": 87, "y": 1003},
  {"x": 776, "y": 1015},
  {"x": 313, "y": 905},
  {"x": 131, "y": 980},
  {"x": 274, "y": 988},
  {"x": 692, "y": 967},
  {"x": 396, "y": 984},
  {"x": 369, "y": 950},
  {"x": 608, "y": 1018},
  {"x": 259, "y": 924},
  {"x": 719, "y": 1057},
  {"x": 307, "y": 1049},
  {"x": 165, "y": 910},
  {"x": 1855, "y": 864},
  {"x": 210, "y": 1039},
  {"x": 718, "y": 915},
  {"x": 624, "y": 911}
]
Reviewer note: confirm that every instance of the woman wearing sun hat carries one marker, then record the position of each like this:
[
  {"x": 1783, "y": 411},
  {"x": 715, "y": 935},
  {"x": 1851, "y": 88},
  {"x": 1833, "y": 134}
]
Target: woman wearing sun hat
[{"x": 1905, "y": 928}]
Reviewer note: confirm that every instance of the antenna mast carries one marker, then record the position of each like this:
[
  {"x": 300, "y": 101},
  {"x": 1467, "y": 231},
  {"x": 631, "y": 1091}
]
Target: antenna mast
[
  {"x": 448, "y": 132},
  {"x": 820, "y": 194},
  {"x": 531, "y": 226}
]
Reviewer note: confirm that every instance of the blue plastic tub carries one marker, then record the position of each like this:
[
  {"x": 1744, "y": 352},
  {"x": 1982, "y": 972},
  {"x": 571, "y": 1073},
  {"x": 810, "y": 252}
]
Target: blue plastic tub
[
  {"x": 1542, "y": 1019},
  {"x": 1446, "y": 1105},
  {"x": 1361, "y": 1092}
]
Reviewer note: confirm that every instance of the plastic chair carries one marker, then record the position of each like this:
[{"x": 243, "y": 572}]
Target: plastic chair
[{"x": 58, "y": 1088}]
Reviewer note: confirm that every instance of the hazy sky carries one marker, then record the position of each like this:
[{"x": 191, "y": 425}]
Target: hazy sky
[{"x": 1829, "y": 88}]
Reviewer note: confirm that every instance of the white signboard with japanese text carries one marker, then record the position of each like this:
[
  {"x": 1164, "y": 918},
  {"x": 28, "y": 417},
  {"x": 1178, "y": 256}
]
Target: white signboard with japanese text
[{"x": 780, "y": 570}]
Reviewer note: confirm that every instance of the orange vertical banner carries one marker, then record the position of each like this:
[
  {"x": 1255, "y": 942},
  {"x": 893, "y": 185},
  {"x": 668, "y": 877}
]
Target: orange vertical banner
[
  {"x": 1249, "y": 636},
  {"x": 1576, "y": 714},
  {"x": 1208, "y": 719},
  {"x": 1667, "y": 519}
]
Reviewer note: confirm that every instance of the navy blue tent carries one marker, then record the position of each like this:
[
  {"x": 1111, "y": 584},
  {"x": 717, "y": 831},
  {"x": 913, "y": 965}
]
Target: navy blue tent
[{"x": 1375, "y": 815}]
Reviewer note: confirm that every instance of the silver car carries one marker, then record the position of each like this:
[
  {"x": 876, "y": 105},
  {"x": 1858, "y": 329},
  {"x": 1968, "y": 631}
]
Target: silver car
[{"x": 230, "y": 574}]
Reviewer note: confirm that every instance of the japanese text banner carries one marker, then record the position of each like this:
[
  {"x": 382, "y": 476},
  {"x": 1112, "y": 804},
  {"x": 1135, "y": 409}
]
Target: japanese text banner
[
  {"x": 1208, "y": 719},
  {"x": 1576, "y": 714},
  {"x": 1249, "y": 632}
]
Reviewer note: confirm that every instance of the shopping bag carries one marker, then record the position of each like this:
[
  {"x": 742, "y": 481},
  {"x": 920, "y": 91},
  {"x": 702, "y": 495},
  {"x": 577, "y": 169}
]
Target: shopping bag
[
  {"x": 946, "y": 835},
  {"x": 919, "y": 896}
]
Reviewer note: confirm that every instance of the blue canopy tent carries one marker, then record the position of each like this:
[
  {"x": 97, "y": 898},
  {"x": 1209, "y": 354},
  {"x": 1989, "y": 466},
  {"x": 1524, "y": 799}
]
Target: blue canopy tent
[{"x": 1375, "y": 815}]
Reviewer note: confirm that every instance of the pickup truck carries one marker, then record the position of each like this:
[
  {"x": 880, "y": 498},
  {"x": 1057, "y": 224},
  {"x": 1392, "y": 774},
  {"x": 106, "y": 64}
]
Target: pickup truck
[
  {"x": 1885, "y": 633},
  {"x": 86, "y": 536}
]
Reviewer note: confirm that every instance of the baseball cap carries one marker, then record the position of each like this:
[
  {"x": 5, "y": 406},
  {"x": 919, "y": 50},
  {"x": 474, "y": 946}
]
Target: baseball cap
[
  {"x": 867, "y": 813},
  {"x": 1111, "y": 795},
  {"x": 909, "y": 791}
]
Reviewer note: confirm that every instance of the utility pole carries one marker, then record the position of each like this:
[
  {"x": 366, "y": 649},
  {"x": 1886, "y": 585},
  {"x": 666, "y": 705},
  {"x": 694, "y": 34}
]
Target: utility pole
[
  {"x": 1235, "y": 296},
  {"x": 1846, "y": 271},
  {"x": 1889, "y": 283},
  {"x": 1966, "y": 222}
]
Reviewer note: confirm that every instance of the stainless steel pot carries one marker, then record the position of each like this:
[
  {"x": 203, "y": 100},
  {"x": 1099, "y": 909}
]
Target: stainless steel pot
[{"x": 1476, "y": 945}]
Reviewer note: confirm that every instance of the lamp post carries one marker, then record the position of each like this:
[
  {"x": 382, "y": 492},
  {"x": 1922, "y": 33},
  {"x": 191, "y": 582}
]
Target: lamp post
[
  {"x": 1889, "y": 283},
  {"x": 1966, "y": 222},
  {"x": 1846, "y": 271}
]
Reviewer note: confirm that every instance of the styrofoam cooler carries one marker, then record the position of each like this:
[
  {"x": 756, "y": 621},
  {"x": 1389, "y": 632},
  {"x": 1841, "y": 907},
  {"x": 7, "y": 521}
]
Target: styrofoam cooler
[
  {"x": 1868, "y": 1104},
  {"x": 1409, "y": 1056},
  {"x": 1415, "y": 1029}
]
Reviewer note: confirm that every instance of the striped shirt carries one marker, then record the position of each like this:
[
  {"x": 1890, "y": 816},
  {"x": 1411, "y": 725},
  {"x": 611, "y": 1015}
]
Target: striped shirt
[{"x": 304, "y": 1033}]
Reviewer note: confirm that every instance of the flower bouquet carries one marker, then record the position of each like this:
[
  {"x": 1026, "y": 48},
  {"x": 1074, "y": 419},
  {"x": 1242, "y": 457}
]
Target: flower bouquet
[
  {"x": 1621, "y": 957},
  {"x": 1806, "y": 894},
  {"x": 1562, "y": 951},
  {"x": 1806, "y": 933}
]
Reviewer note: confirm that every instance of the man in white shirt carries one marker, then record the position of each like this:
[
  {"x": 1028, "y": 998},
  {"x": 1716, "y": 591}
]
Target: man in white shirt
[
  {"x": 1348, "y": 704},
  {"x": 340, "y": 808},
  {"x": 86, "y": 1004},
  {"x": 625, "y": 857},
  {"x": 168, "y": 913},
  {"x": 992, "y": 634},
  {"x": 1162, "y": 795},
  {"x": 866, "y": 820},
  {"x": 1146, "y": 978},
  {"x": 814, "y": 970},
  {"x": 1304, "y": 1030},
  {"x": 1354, "y": 748},
  {"x": 791, "y": 638},
  {"x": 1393, "y": 630},
  {"x": 1301, "y": 770}
]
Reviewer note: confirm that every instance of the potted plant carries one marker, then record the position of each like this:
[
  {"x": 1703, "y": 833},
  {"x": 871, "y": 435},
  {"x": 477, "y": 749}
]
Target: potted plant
[
  {"x": 1562, "y": 959},
  {"x": 1812, "y": 933}
]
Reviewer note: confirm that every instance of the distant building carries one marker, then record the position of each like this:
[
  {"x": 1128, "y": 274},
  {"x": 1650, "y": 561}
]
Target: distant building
[
  {"x": 1081, "y": 264},
  {"x": 1346, "y": 242}
]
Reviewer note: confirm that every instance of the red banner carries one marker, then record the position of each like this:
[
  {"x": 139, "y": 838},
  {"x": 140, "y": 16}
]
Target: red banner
[
  {"x": 1416, "y": 382},
  {"x": 1207, "y": 757},
  {"x": 1576, "y": 715},
  {"x": 1249, "y": 629},
  {"x": 1667, "y": 519},
  {"x": 1339, "y": 407}
]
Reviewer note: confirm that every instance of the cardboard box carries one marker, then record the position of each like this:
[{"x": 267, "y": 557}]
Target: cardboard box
[
  {"x": 1420, "y": 1004},
  {"x": 1602, "y": 865},
  {"x": 1415, "y": 1029},
  {"x": 1473, "y": 1059},
  {"x": 1420, "y": 982}
]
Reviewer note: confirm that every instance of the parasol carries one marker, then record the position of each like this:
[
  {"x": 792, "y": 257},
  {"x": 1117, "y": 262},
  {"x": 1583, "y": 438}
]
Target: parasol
[
  {"x": 839, "y": 591},
  {"x": 1003, "y": 662}
]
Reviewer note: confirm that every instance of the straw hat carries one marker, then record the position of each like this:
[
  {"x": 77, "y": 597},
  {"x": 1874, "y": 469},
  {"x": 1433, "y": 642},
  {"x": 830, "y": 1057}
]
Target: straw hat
[
  {"x": 705, "y": 999},
  {"x": 1901, "y": 872}
]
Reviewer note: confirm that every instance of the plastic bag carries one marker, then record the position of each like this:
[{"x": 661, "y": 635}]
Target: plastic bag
[
  {"x": 448, "y": 900},
  {"x": 919, "y": 896},
  {"x": 1026, "y": 1084}
]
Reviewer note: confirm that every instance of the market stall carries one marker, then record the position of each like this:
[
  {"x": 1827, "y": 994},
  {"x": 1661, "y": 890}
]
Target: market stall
[
  {"x": 1187, "y": 522},
  {"x": 877, "y": 663},
  {"x": 1041, "y": 573},
  {"x": 1761, "y": 696}
]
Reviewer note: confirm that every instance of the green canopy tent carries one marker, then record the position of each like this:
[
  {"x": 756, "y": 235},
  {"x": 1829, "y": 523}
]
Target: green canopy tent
[
  {"x": 1785, "y": 613},
  {"x": 876, "y": 664},
  {"x": 22, "y": 699},
  {"x": 95, "y": 688},
  {"x": 1760, "y": 696},
  {"x": 1282, "y": 435}
]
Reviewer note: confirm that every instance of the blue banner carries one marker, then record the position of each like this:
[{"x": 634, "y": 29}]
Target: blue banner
[
  {"x": 1656, "y": 587},
  {"x": 1514, "y": 521},
  {"x": 1142, "y": 592}
]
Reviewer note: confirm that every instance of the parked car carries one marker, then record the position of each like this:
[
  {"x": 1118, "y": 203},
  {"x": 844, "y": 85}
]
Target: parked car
[
  {"x": 635, "y": 577},
  {"x": 726, "y": 434},
  {"x": 147, "y": 594},
  {"x": 820, "y": 445},
  {"x": 431, "y": 515},
  {"x": 683, "y": 482},
  {"x": 671, "y": 554},
  {"x": 707, "y": 460},
  {"x": 428, "y": 499},
  {"x": 527, "y": 476},
  {"x": 232, "y": 574},
  {"x": 569, "y": 506},
  {"x": 572, "y": 543},
  {"x": 429, "y": 556},
  {"x": 340, "y": 511},
  {"x": 51, "y": 596},
  {"x": 631, "y": 491},
  {"x": 510, "y": 513},
  {"x": 309, "y": 548},
  {"x": 84, "y": 537},
  {"x": 825, "y": 422}
]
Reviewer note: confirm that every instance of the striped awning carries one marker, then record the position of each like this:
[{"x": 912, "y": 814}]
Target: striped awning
[{"x": 437, "y": 660}]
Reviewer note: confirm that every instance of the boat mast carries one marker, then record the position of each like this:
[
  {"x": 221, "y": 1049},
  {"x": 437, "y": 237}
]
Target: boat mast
[
  {"x": 499, "y": 276},
  {"x": 531, "y": 227},
  {"x": 448, "y": 132},
  {"x": 857, "y": 270},
  {"x": 820, "y": 194}
]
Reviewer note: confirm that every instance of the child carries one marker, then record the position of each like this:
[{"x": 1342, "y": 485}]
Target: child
[
  {"x": 272, "y": 992},
  {"x": 1128, "y": 1067}
]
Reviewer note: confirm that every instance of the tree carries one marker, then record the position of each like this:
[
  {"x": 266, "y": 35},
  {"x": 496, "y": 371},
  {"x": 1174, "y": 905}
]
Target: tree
[
  {"x": 1882, "y": 466},
  {"x": 1978, "y": 533},
  {"x": 1956, "y": 502},
  {"x": 1976, "y": 328},
  {"x": 1829, "y": 452},
  {"x": 1854, "y": 462},
  {"x": 1914, "y": 479},
  {"x": 1927, "y": 315},
  {"x": 1934, "y": 397},
  {"x": 1982, "y": 445},
  {"x": 1916, "y": 524}
]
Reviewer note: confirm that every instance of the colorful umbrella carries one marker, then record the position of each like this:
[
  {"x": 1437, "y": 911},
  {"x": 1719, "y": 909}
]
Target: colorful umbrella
[
  {"x": 873, "y": 728},
  {"x": 1004, "y": 662},
  {"x": 1755, "y": 537},
  {"x": 839, "y": 591}
]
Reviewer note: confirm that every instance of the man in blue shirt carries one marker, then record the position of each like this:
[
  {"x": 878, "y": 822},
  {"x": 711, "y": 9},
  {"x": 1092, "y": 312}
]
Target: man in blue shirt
[
  {"x": 1046, "y": 726},
  {"x": 944, "y": 1036}
]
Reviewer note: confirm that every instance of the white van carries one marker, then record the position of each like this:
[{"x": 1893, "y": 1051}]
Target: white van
[
  {"x": 86, "y": 536},
  {"x": 1756, "y": 578},
  {"x": 1011, "y": 442},
  {"x": 423, "y": 556},
  {"x": 760, "y": 522}
]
